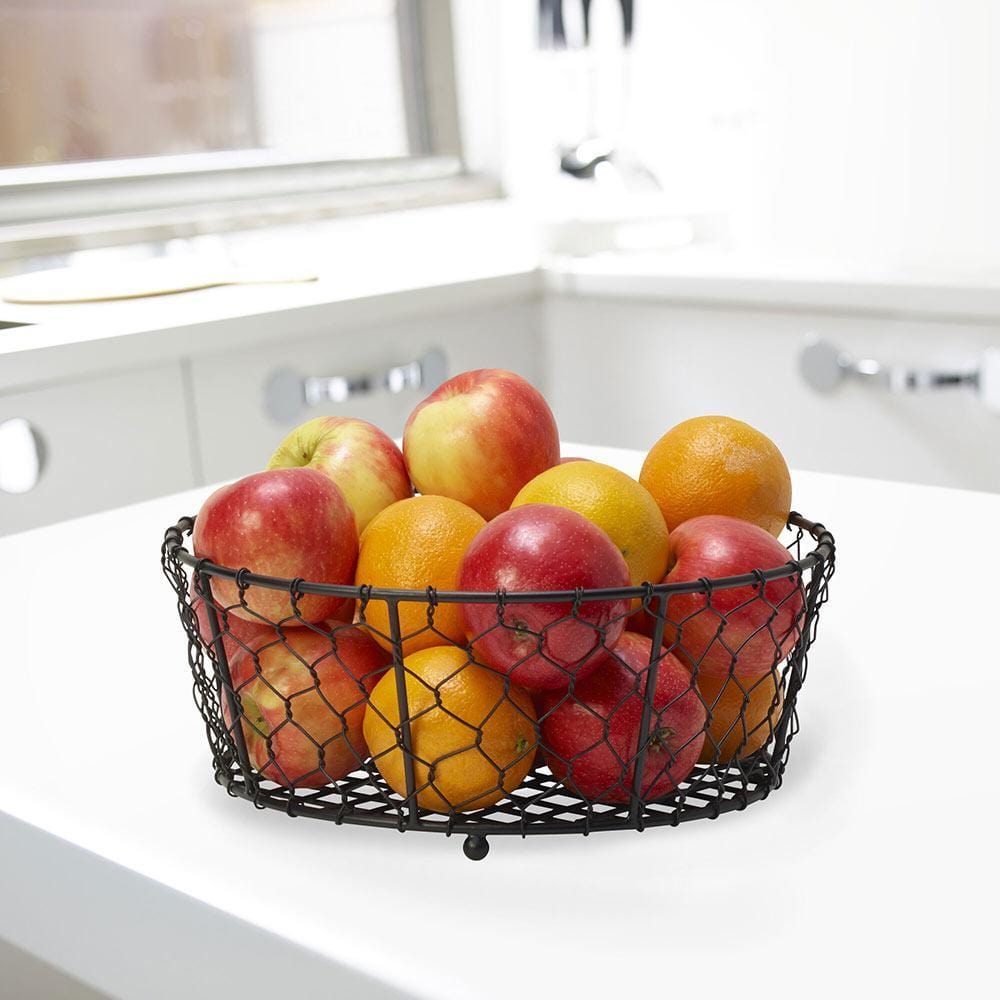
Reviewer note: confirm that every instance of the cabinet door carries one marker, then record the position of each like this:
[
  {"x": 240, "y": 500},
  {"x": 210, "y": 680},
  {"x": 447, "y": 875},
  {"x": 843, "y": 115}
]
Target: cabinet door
[
  {"x": 624, "y": 372},
  {"x": 104, "y": 442},
  {"x": 237, "y": 435}
]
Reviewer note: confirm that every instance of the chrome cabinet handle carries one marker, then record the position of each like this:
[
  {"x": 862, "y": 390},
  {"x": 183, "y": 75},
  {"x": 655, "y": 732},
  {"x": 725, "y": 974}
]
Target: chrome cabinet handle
[
  {"x": 287, "y": 394},
  {"x": 824, "y": 366},
  {"x": 22, "y": 456}
]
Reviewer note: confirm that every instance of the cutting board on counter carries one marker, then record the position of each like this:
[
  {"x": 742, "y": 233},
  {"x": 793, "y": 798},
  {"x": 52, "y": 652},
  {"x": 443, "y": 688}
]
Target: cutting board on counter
[{"x": 138, "y": 279}]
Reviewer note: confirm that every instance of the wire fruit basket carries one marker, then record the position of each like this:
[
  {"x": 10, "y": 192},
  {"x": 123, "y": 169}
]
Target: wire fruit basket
[{"x": 291, "y": 705}]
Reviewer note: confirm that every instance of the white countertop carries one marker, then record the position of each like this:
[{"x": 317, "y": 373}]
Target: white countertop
[
  {"x": 715, "y": 276},
  {"x": 872, "y": 869},
  {"x": 369, "y": 269},
  {"x": 399, "y": 263}
]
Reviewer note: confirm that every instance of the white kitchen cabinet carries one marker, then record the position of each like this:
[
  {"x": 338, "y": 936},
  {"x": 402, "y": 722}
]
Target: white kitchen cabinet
[
  {"x": 106, "y": 440},
  {"x": 235, "y": 433},
  {"x": 625, "y": 371}
]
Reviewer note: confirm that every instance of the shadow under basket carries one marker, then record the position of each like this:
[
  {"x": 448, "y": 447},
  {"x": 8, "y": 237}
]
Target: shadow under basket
[{"x": 289, "y": 696}]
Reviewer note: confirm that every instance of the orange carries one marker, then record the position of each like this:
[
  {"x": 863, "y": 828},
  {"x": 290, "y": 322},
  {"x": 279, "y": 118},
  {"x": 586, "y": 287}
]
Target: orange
[
  {"x": 616, "y": 503},
  {"x": 414, "y": 544},
  {"x": 743, "y": 715},
  {"x": 718, "y": 465},
  {"x": 472, "y": 731}
]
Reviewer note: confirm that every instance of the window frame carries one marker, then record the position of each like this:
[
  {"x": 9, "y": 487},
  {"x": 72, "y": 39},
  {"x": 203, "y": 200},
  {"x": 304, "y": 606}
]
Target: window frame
[{"x": 240, "y": 185}]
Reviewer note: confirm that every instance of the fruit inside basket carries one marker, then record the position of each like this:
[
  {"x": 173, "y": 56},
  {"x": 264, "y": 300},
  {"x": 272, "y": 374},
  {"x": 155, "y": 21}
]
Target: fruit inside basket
[{"x": 527, "y": 646}]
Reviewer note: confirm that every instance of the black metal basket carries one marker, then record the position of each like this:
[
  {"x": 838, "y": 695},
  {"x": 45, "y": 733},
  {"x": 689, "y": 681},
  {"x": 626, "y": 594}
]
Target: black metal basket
[{"x": 732, "y": 635}]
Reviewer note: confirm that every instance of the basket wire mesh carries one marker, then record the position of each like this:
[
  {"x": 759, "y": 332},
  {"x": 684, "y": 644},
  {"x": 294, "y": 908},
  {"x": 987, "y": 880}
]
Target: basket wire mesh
[{"x": 743, "y": 643}]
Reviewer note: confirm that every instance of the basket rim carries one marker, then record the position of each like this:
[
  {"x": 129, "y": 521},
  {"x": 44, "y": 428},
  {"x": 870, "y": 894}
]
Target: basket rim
[{"x": 173, "y": 544}]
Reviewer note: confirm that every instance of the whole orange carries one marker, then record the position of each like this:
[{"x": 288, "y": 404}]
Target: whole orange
[
  {"x": 412, "y": 545},
  {"x": 743, "y": 715},
  {"x": 616, "y": 503},
  {"x": 718, "y": 465},
  {"x": 472, "y": 731}
]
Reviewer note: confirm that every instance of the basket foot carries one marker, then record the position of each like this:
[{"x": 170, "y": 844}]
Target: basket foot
[{"x": 475, "y": 847}]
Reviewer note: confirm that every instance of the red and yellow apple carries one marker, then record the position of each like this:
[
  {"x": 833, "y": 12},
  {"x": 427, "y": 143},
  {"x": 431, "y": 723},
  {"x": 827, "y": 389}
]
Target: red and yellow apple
[
  {"x": 238, "y": 634},
  {"x": 590, "y": 735},
  {"x": 479, "y": 438},
  {"x": 303, "y": 703},
  {"x": 360, "y": 459},
  {"x": 289, "y": 523},
  {"x": 746, "y": 631},
  {"x": 543, "y": 547}
]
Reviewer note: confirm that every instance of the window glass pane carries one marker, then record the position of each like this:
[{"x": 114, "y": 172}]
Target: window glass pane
[
  {"x": 109, "y": 79},
  {"x": 328, "y": 76}
]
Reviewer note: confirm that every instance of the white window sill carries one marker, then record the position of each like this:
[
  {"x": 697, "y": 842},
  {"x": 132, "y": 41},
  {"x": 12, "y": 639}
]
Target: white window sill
[{"x": 433, "y": 182}]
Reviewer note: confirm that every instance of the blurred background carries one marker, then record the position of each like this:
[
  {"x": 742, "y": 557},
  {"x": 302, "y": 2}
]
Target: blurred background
[{"x": 221, "y": 217}]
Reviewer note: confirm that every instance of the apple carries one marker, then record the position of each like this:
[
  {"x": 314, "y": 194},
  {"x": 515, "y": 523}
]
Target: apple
[
  {"x": 478, "y": 438},
  {"x": 360, "y": 459},
  {"x": 289, "y": 523},
  {"x": 590, "y": 735},
  {"x": 344, "y": 615},
  {"x": 303, "y": 703},
  {"x": 238, "y": 634},
  {"x": 737, "y": 630},
  {"x": 543, "y": 547}
]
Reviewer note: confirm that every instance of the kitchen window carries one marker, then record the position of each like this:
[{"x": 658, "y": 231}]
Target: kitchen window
[{"x": 261, "y": 109}]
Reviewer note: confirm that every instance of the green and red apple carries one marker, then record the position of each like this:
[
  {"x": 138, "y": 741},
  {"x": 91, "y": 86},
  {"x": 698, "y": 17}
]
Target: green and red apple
[
  {"x": 303, "y": 703},
  {"x": 360, "y": 459},
  {"x": 237, "y": 633}
]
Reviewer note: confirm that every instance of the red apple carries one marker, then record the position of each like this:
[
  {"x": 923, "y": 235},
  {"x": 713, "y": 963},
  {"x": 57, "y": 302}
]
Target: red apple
[
  {"x": 542, "y": 547},
  {"x": 737, "y": 629},
  {"x": 238, "y": 634},
  {"x": 344, "y": 615},
  {"x": 360, "y": 459},
  {"x": 303, "y": 701},
  {"x": 479, "y": 438},
  {"x": 590, "y": 735},
  {"x": 290, "y": 523}
]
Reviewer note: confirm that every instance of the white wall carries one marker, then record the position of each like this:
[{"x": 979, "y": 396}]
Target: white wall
[
  {"x": 839, "y": 128},
  {"x": 842, "y": 129},
  {"x": 497, "y": 71}
]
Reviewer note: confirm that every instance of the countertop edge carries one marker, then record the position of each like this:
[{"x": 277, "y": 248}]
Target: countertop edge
[
  {"x": 112, "y": 339},
  {"x": 63, "y": 351},
  {"x": 143, "y": 920},
  {"x": 885, "y": 297}
]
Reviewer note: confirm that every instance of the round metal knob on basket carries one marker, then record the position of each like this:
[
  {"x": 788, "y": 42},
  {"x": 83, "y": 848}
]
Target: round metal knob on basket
[{"x": 731, "y": 772}]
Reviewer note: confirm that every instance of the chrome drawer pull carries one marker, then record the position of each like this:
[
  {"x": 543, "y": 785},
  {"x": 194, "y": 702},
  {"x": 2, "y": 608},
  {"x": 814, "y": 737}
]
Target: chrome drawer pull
[
  {"x": 287, "y": 394},
  {"x": 22, "y": 456},
  {"x": 824, "y": 366}
]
